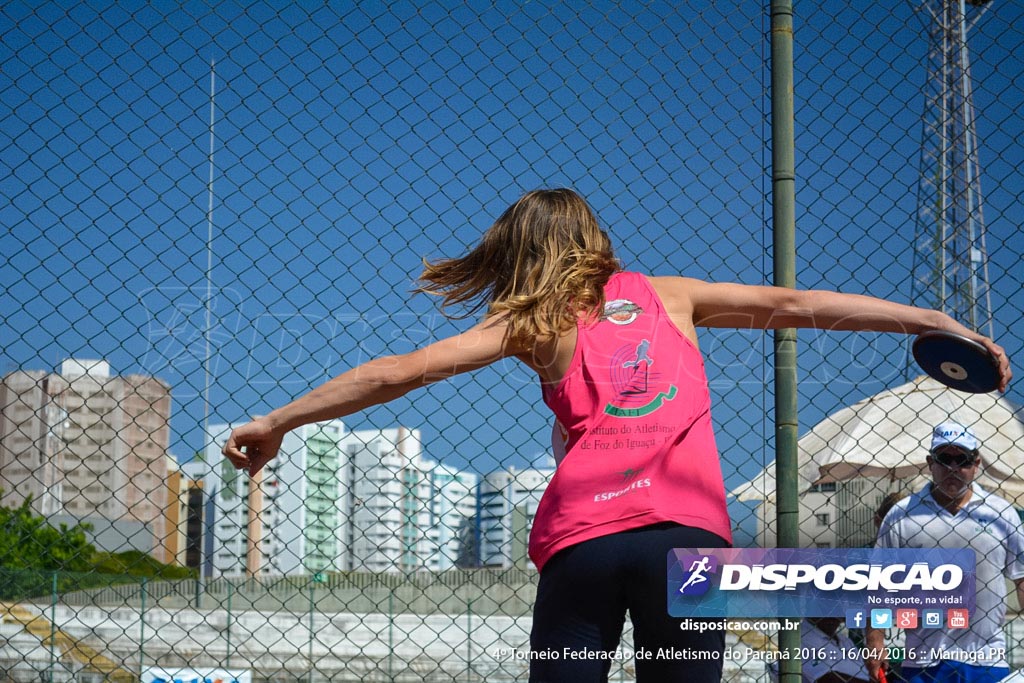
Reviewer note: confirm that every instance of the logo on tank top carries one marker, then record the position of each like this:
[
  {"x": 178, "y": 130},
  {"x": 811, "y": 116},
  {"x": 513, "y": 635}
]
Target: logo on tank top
[
  {"x": 636, "y": 384},
  {"x": 630, "y": 483},
  {"x": 630, "y": 473},
  {"x": 621, "y": 311}
]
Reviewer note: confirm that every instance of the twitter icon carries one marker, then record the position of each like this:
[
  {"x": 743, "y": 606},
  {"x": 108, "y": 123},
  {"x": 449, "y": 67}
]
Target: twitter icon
[{"x": 881, "y": 618}]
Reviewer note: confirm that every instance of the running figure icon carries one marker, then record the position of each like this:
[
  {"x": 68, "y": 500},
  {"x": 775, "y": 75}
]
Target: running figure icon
[
  {"x": 697, "y": 570},
  {"x": 641, "y": 355},
  {"x": 640, "y": 365}
]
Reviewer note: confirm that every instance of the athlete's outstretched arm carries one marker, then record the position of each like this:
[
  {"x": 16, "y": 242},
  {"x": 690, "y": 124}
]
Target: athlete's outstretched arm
[
  {"x": 757, "y": 307},
  {"x": 378, "y": 381}
]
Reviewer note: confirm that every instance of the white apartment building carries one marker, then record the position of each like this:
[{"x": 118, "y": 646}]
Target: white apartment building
[
  {"x": 303, "y": 488},
  {"x": 390, "y": 514},
  {"x": 506, "y": 505},
  {"x": 409, "y": 513}
]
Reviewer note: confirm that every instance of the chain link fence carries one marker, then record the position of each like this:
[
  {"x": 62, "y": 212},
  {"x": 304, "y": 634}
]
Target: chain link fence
[{"x": 209, "y": 209}]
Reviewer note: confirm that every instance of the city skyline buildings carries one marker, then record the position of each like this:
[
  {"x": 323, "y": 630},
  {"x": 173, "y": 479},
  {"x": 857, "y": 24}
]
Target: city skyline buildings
[
  {"x": 337, "y": 500},
  {"x": 86, "y": 443}
]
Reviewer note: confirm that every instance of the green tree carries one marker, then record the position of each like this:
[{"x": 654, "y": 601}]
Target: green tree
[
  {"x": 32, "y": 550},
  {"x": 28, "y": 541},
  {"x": 33, "y": 553}
]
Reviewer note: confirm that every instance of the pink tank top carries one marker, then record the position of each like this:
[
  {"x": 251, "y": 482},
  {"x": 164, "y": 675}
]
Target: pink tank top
[{"x": 635, "y": 415}]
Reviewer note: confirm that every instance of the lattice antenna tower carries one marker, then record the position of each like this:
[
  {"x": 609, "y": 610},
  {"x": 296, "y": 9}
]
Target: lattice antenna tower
[{"x": 951, "y": 261}]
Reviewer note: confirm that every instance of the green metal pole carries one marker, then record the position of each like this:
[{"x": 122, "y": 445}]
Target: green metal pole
[
  {"x": 53, "y": 626},
  {"x": 311, "y": 604},
  {"x": 142, "y": 626},
  {"x": 469, "y": 639},
  {"x": 227, "y": 629},
  {"x": 391, "y": 633},
  {"x": 784, "y": 258}
]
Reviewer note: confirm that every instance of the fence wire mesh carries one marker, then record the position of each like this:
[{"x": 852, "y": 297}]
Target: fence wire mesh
[{"x": 210, "y": 209}]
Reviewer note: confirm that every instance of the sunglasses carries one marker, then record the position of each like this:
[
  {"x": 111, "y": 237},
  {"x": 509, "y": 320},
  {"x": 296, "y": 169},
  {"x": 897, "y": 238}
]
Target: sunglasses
[{"x": 952, "y": 461}]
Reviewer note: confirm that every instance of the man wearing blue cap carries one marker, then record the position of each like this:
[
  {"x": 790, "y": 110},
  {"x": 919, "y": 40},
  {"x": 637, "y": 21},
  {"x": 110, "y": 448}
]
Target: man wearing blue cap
[{"x": 954, "y": 512}]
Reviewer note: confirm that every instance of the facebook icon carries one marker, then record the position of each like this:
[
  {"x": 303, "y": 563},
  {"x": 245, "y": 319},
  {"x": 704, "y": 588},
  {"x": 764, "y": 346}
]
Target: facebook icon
[{"x": 855, "y": 618}]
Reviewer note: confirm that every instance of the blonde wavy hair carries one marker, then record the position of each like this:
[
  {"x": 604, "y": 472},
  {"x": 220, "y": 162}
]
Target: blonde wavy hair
[{"x": 544, "y": 262}]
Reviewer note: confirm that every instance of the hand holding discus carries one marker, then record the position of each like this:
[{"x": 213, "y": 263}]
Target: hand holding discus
[{"x": 962, "y": 363}]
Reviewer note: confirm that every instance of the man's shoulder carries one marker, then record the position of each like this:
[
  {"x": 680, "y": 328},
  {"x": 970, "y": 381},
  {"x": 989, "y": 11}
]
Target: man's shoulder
[{"x": 994, "y": 502}]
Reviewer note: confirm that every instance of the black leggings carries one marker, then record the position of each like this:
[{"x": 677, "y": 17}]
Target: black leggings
[{"x": 582, "y": 599}]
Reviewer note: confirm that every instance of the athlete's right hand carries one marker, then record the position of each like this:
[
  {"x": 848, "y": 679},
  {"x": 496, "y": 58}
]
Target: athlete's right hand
[{"x": 253, "y": 445}]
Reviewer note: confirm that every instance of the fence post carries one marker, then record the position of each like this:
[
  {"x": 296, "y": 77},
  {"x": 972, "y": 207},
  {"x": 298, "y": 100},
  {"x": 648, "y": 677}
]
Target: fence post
[
  {"x": 784, "y": 257},
  {"x": 227, "y": 628},
  {"x": 312, "y": 579},
  {"x": 469, "y": 639},
  {"x": 53, "y": 625},
  {"x": 391, "y": 633},
  {"x": 142, "y": 626}
]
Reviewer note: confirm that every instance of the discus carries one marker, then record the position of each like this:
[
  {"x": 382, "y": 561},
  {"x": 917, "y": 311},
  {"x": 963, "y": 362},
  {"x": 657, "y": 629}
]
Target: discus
[{"x": 956, "y": 361}]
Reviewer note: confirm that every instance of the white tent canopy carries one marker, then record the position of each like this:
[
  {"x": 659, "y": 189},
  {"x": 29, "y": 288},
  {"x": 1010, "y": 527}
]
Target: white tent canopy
[{"x": 888, "y": 434}]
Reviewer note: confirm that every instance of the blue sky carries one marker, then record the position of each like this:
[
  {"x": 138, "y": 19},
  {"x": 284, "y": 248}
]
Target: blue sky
[{"x": 353, "y": 141}]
